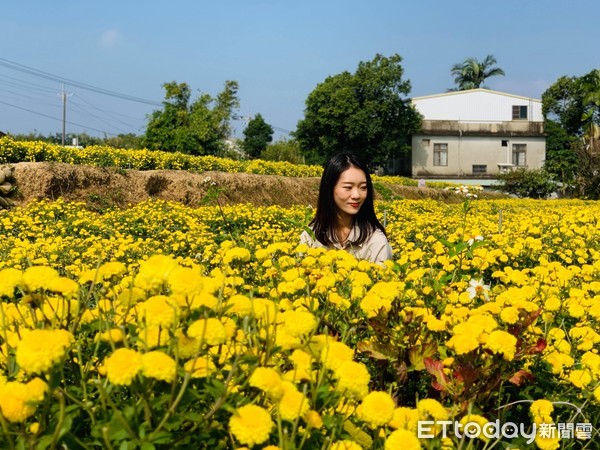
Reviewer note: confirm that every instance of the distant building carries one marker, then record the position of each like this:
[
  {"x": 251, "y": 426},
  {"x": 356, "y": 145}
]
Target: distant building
[{"x": 477, "y": 133}]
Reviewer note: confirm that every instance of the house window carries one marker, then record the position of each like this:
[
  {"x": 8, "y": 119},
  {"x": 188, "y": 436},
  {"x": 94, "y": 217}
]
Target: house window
[
  {"x": 519, "y": 154},
  {"x": 504, "y": 142},
  {"x": 519, "y": 112},
  {"x": 478, "y": 169},
  {"x": 440, "y": 154}
]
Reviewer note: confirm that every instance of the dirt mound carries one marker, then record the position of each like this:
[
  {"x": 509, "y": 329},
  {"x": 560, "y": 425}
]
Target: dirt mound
[{"x": 102, "y": 187}]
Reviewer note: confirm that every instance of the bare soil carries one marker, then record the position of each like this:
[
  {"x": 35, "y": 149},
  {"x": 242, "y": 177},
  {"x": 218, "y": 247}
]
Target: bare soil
[{"x": 101, "y": 187}]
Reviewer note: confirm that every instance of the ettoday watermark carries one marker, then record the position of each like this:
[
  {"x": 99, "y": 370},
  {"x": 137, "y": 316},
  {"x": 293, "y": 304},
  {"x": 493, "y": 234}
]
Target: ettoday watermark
[{"x": 429, "y": 429}]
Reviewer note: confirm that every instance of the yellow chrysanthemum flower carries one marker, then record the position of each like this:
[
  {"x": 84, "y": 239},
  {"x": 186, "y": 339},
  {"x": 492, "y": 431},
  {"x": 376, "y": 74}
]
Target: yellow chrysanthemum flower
[
  {"x": 154, "y": 272},
  {"x": 39, "y": 277},
  {"x": 185, "y": 281},
  {"x": 36, "y": 389},
  {"x": 152, "y": 337},
  {"x": 157, "y": 311},
  {"x": 267, "y": 380},
  {"x": 110, "y": 269},
  {"x": 429, "y": 408},
  {"x": 597, "y": 394},
  {"x": 335, "y": 353},
  {"x": 187, "y": 347},
  {"x": 502, "y": 343},
  {"x": 122, "y": 366},
  {"x": 345, "y": 445},
  {"x": 552, "y": 304},
  {"x": 236, "y": 254},
  {"x": 313, "y": 419},
  {"x": 114, "y": 335},
  {"x": 405, "y": 419},
  {"x": 251, "y": 425},
  {"x": 543, "y": 409},
  {"x": 377, "y": 409},
  {"x": 352, "y": 379},
  {"x": 580, "y": 378},
  {"x": 210, "y": 331},
  {"x": 16, "y": 401},
  {"x": 298, "y": 323},
  {"x": 293, "y": 403},
  {"x": 199, "y": 367},
  {"x": 510, "y": 315},
  {"x": 239, "y": 305},
  {"x": 64, "y": 286},
  {"x": 9, "y": 280},
  {"x": 39, "y": 350},
  {"x": 463, "y": 343},
  {"x": 131, "y": 296},
  {"x": 402, "y": 439},
  {"x": 159, "y": 365},
  {"x": 372, "y": 303}
]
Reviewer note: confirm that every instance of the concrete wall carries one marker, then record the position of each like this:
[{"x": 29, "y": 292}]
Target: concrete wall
[{"x": 465, "y": 151}]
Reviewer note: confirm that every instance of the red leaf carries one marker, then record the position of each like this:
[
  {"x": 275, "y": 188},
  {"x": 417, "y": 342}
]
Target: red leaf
[
  {"x": 436, "y": 368},
  {"x": 521, "y": 377},
  {"x": 539, "y": 347}
]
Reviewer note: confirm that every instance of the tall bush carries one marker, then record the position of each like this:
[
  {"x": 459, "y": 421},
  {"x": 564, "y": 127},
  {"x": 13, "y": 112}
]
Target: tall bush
[{"x": 536, "y": 183}]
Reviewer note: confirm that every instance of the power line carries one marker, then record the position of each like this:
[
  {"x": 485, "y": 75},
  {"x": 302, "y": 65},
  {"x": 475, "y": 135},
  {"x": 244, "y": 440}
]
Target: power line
[
  {"x": 110, "y": 115},
  {"x": 84, "y": 111},
  {"x": 246, "y": 120},
  {"x": 20, "y": 83},
  {"x": 54, "y": 118},
  {"x": 24, "y": 97},
  {"x": 57, "y": 78},
  {"x": 48, "y": 76}
]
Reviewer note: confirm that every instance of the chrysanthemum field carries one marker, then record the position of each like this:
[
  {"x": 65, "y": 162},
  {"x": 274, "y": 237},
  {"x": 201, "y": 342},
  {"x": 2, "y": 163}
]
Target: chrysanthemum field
[{"x": 162, "y": 326}]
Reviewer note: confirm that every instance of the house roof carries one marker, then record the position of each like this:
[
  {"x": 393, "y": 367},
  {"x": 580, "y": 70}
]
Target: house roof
[{"x": 469, "y": 91}]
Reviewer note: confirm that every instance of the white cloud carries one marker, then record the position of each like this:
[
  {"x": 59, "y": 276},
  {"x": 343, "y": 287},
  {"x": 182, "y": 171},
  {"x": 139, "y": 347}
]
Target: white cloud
[{"x": 110, "y": 38}]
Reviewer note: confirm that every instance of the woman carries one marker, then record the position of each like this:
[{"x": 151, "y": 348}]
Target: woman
[{"x": 345, "y": 217}]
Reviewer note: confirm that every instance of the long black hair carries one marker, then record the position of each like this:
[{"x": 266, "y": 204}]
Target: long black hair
[{"x": 325, "y": 219}]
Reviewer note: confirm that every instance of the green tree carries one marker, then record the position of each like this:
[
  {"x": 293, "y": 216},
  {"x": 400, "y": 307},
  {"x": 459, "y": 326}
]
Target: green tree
[
  {"x": 571, "y": 108},
  {"x": 257, "y": 136},
  {"x": 362, "y": 112},
  {"x": 129, "y": 140},
  {"x": 590, "y": 85},
  {"x": 562, "y": 103},
  {"x": 561, "y": 154},
  {"x": 283, "y": 151},
  {"x": 472, "y": 73},
  {"x": 197, "y": 127}
]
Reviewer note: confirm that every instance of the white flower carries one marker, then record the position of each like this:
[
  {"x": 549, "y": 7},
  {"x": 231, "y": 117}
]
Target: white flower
[
  {"x": 473, "y": 239},
  {"x": 476, "y": 287},
  {"x": 209, "y": 180}
]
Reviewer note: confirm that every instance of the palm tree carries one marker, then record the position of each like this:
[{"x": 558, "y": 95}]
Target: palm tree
[{"x": 471, "y": 73}]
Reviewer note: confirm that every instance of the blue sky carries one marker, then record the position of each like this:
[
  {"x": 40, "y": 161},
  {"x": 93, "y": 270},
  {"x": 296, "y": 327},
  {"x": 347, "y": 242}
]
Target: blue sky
[{"x": 278, "y": 51}]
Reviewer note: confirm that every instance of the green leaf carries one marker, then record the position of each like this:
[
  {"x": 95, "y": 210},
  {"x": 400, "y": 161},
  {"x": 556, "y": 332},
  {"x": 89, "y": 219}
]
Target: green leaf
[
  {"x": 445, "y": 242},
  {"x": 162, "y": 437},
  {"x": 44, "y": 442}
]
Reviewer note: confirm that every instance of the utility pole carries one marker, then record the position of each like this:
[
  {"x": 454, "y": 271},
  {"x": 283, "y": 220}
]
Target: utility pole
[{"x": 64, "y": 96}]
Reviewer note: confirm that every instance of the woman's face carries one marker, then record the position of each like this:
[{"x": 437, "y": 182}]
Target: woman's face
[{"x": 350, "y": 192}]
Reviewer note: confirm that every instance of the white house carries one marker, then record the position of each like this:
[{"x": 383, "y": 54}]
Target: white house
[{"x": 477, "y": 133}]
